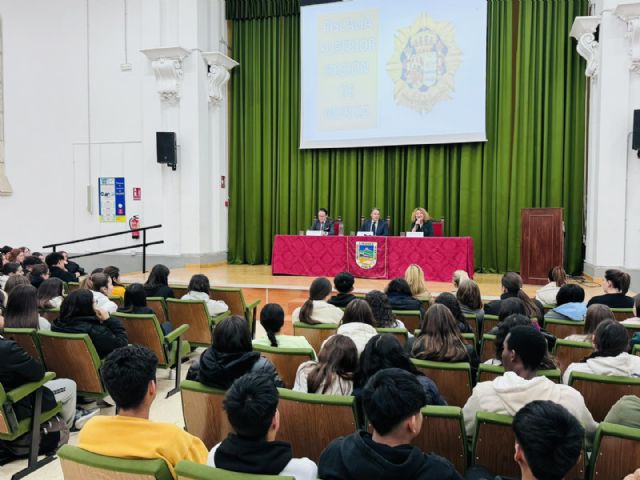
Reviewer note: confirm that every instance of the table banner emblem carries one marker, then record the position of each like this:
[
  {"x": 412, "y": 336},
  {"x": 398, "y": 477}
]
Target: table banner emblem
[{"x": 366, "y": 254}]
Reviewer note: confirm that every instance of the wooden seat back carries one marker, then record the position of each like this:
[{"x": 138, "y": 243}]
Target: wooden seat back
[
  {"x": 453, "y": 379},
  {"x": 568, "y": 352},
  {"x": 193, "y": 313},
  {"x": 412, "y": 319},
  {"x": 159, "y": 307},
  {"x": 443, "y": 433},
  {"x": 563, "y": 328},
  {"x": 616, "y": 450},
  {"x": 600, "y": 392},
  {"x": 144, "y": 330},
  {"x": 315, "y": 334},
  {"x": 27, "y": 338},
  {"x": 203, "y": 412},
  {"x": 286, "y": 360}
]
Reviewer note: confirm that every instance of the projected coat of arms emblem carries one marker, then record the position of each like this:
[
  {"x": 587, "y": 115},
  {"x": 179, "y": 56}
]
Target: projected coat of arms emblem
[
  {"x": 366, "y": 254},
  {"x": 424, "y": 63}
]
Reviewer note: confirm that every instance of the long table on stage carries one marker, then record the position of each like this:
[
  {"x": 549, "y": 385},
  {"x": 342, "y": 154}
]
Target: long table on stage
[{"x": 326, "y": 256}]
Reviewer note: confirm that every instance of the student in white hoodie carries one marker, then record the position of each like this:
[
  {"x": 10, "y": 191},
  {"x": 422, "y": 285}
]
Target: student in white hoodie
[
  {"x": 198, "y": 289},
  {"x": 547, "y": 294},
  {"x": 357, "y": 323},
  {"x": 610, "y": 357},
  {"x": 316, "y": 309},
  {"x": 524, "y": 349},
  {"x": 101, "y": 286}
]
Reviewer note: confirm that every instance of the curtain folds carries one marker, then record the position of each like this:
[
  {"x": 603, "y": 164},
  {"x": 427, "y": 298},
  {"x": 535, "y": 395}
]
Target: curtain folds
[{"x": 534, "y": 156}]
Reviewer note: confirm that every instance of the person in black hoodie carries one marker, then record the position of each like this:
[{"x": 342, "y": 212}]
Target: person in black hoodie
[
  {"x": 230, "y": 356},
  {"x": 78, "y": 315},
  {"x": 512, "y": 287},
  {"x": 252, "y": 408},
  {"x": 399, "y": 293},
  {"x": 344, "y": 285},
  {"x": 157, "y": 285},
  {"x": 392, "y": 400},
  {"x": 55, "y": 262}
]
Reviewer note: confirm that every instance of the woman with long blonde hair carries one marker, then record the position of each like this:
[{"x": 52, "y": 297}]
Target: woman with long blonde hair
[
  {"x": 421, "y": 222},
  {"x": 415, "y": 278}
]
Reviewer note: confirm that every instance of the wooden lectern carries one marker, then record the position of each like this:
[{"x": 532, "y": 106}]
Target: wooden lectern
[{"x": 542, "y": 243}]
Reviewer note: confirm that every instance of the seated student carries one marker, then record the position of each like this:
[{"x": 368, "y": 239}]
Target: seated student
[
  {"x": 547, "y": 294},
  {"x": 129, "y": 375},
  {"x": 385, "y": 351},
  {"x": 72, "y": 266},
  {"x": 9, "y": 269},
  {"x": 323, "y": 223},
  {"x": 157, "y": 285},
  {"x": 458, "y": 277},
  {"x": 548, "y": 442},
  {"x": 570, "y": 304},
  {"x": 252, "y": 409},
  {"x": 596, "y": 314},
  {"x": 38, "y": 274},
  {"x": 610, "y": 355},
  {"x": 451, "y": 302},
  {"x": 344, "y": 285},
  {"x": 625, "y": 411},
  {"x": 382, "y": 313},
  {"x": 440, "y": 340},
  {"x": 470, "y": 300},
  {"x": 415, "y": 278},
  {"x": 376, "y": 225},
  {"x": 272, "y": 320},
  {"x": 399, "y": 295},
  {"x": 198, "y": 289},
  {"x": 616, "y": 285},
  {"x": 357, "y": 323},
  {"x": 102, "y": 288},
  {"x": 50, "y": 293},
  {"x": 114, "y": 274},
  {"x": 230, "y": 356},
  {"x": 524, "y": 350},
  {"x": 392, "y": 399},
  {"x": 316, "y": 309},
  {"x": 79, "y": 315},
  {"x": 512, "y": 287},
  {"x": 333, "y": 372},
  {"x": 55, "y": 262},
  {"x": 635, "y": 320},
  {"x": 421, "y": 222},
  {"x": 13, "y": 282},
  {"x": 29, "y": 262},
  {"x": 16, "y": 255},
  {"x": 135, "y": 301},
  {"x": 22, "y": 309}
]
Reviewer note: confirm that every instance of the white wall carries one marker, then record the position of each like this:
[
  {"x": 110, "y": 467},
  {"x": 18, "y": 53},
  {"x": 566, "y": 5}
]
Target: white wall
[{"x": 72, "y": 115}]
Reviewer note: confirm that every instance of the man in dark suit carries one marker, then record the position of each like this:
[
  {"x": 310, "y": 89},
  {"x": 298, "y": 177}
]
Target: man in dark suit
[
  {"x": 323, "y": 223},
  {"x": 376, "y": 225}
]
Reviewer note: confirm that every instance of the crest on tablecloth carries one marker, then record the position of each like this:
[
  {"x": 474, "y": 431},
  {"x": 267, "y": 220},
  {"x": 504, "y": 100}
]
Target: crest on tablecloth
[{"x": 366, "y": 254}]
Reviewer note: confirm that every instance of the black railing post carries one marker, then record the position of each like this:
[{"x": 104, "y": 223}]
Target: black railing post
[{"x": 144, "y": 251}]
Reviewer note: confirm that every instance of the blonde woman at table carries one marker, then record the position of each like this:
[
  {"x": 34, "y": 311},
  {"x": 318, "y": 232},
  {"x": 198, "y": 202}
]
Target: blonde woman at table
[
  {"x": 421, "y": 222},
  {"x": 316, "y": 309}
]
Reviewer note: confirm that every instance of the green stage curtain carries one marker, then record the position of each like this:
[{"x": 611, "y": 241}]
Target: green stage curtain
[{"x": 534, "y": 156}]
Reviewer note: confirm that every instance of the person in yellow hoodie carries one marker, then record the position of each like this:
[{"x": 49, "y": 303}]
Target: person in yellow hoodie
[{"x": 129, "y": 375}]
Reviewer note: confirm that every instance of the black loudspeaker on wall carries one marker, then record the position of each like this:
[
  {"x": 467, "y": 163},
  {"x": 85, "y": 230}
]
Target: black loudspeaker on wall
[
  {"x": 636, "y": 131},
  {"x": 166, "y": 149}
]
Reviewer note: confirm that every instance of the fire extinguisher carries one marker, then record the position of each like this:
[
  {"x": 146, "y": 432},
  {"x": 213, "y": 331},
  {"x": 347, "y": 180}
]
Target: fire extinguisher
[{"x": 134, "y": 222}]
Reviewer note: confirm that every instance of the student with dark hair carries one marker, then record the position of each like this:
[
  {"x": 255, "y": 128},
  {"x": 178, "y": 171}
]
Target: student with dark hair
[
  {"x": 50, "y": 293},
  {"x": 79, "y": 315},
  {"x": 15, "y": 281},
  {"x": 38, "y": 274},
  {"x": 9, "y": 269},
  {"x": 470, "y": 300},
  {"x": 596, "y": 314},
  {"x": 570, "y": 304},
  {"x": 512, "y": 287},
  {"x": 114, "y": 274},
  {"x": 547, "y": 294},
  {"x": 451, "y": 302},
  {"x": 381, "y": 308},
  {"x": 344, "y": 285},
  {"x": 333, "y": 372},
  {"x": 400, "y": 296},
  {"x": 230, "y": 356},
  {"x": 55, "y": 262},
  {"x": 272, "y": 320},
  {"x": 357, "y": 323},
  {"x": 102, "y": 288},
  {"x": 524, "y": 349},
  {"x": 610, "y": 355},
  {"x": 616, "y": 285},
  {"x": 392, "y": 400},
  {"x": 511, "y": 306},
  {"x": 129, "y": 375},
  {"x": 252, "y": 409},
  {"x": 316, "y": 309},
  {"x": 29, "y": 263},
  {"x": 385, "y": 351},
  {"x": 72, "y": 266},
  {"x": 22, "y": 309},
  {"x": 157, "y": 285},
  {"x": 135, "y": 301},
  {"x": 198, "y": 289}
]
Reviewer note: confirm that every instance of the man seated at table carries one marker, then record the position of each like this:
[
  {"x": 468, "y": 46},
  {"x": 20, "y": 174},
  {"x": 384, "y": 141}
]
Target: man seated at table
[
  {"x": 323, "y": 223},
  {"x": 376, "y": 225}
]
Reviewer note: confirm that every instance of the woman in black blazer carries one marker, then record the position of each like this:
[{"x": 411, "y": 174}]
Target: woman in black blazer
[{"x": 421, "y": 222}]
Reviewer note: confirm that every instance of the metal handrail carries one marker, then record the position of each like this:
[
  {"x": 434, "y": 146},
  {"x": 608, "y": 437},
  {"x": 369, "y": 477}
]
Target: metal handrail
[{"x": 144, "y": 244}]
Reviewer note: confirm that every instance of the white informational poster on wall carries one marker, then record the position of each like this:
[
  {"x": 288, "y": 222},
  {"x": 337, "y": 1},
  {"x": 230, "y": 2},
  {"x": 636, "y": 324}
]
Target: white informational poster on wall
[
  {"x": 111, "y": 199},
  {"x": 381, "y": 72}
]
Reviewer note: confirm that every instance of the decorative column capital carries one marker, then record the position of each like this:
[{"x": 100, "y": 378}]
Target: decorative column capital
[
  {"x": 219, "y": 67},
  {"x": 167, "y": 68},
  {"x": 583, "y": 30},
  {"x": 630, "y": 13}
]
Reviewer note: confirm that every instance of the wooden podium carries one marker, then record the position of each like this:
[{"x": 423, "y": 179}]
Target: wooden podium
[{"x": 542, "y": 243}]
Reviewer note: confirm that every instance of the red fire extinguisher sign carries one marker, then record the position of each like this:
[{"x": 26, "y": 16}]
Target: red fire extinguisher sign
[{"x": 134, "y": 222}]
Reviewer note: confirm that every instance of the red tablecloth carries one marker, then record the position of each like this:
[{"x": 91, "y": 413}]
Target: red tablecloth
[{"x": 439, "y": 257}]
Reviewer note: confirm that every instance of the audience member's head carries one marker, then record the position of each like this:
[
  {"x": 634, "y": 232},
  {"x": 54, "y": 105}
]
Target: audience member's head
[
  {"x": 468, "y": 294},
  {"x": 616, "y": 281},
  {"x": 398, "y": 286},
  {"x": 450, "y": 301},
  {"x": 78, "y": 303},
  {"x": 381, "y": 309},
  {"x": 272, "y": 320},
  {"x": 54, "y": 259},
  {"x": 100, "y": 282},
  {"x": 199, "y": 283},
  {"x": 129, "y": 375},
  {"x": 383, "y": 351},
  {"x": 338, "y": 357},
  {"x": 392, "y": 399},
  {"x": 459, "y": 276},
  {"x": 49, "y": 289},
  {"x": 440, "y": 338},
  {"x": 159, "y": 276},
  {"x": 570, "y": 293},
  {"x": 558, "y": 276},
  {"x": 504, "y": 327},
  {"x": 15, "y": 255},
  {"x": 320, "y": 289},
  {"x": 548, "y": 440},
  {"x": 415, "y": 278},
  {"x": 524, "y": 349},
  {"x": 38, "y": 255},
  {"x": 511, "y": 306},
  {"x": 5, "y": 250},
  {"x": 12, "y": 268},
  {"x": 30, "y": 261},
  {"x": 344, "y": 282},
  {"x": 14, "y": 281},
  {"x": 114, "y": 274},
  {"x": 134, "y": 296},
  {"x": 232, "y": 335},
  {"x": 358, "y": 310},
  {"x": 38, "y": 274},
  {"x": 251, "y": 404},
  {"x": 22, "y": 308},
  {"x": 595, "y": 315},
  {"x": 610, "y": 339},
  {"x": 512, "y": 284}
]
